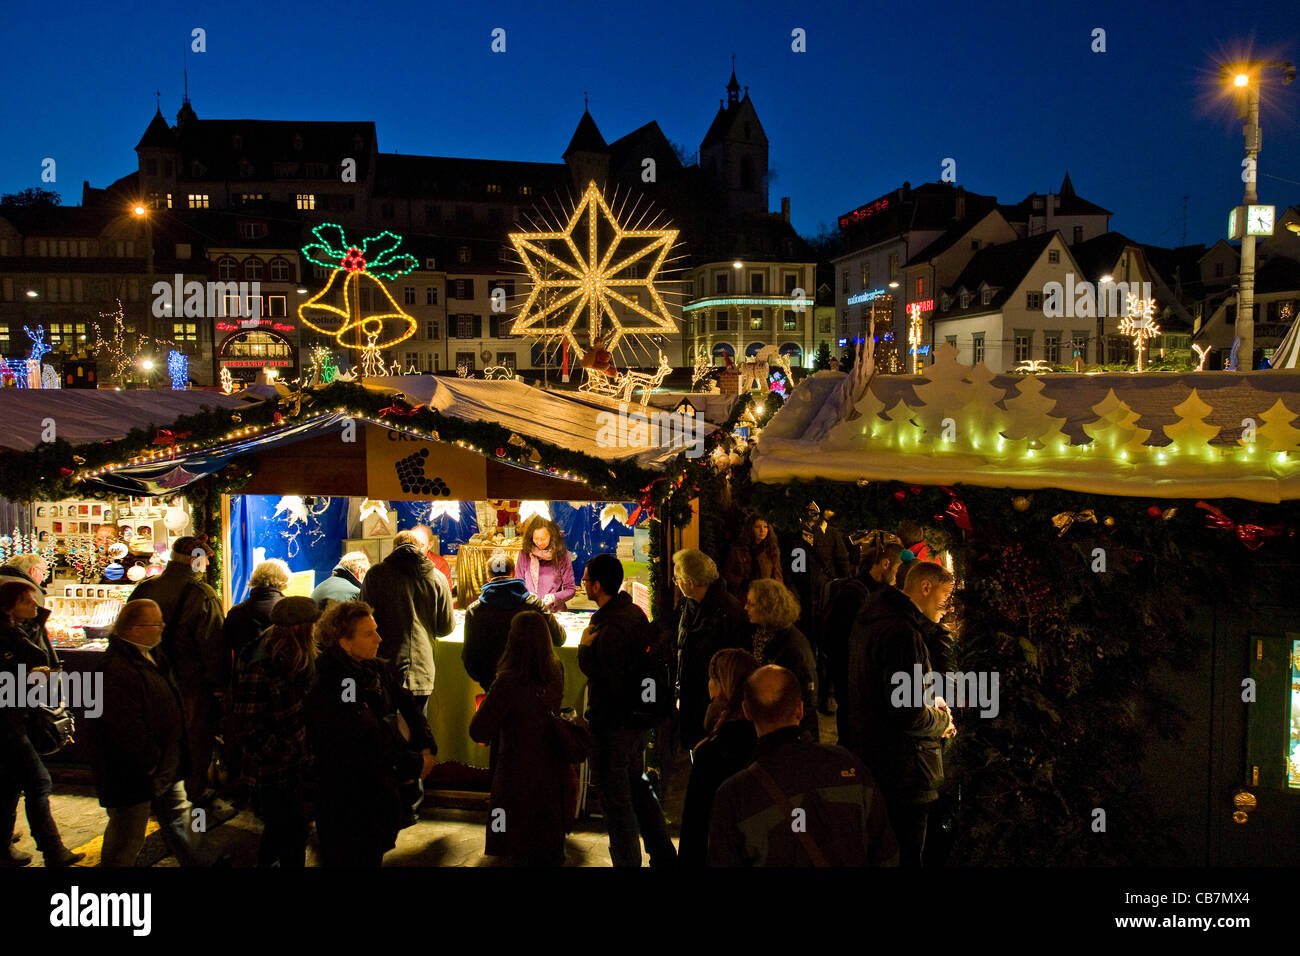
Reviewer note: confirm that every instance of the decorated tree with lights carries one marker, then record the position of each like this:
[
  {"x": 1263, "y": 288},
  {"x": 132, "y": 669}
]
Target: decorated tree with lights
[
  {"x": 124, "y": 347},
  {"x": 373, "y": 259}
]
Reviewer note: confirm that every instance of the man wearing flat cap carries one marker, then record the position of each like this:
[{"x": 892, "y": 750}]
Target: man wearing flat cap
[{"x": 191, "y": 638}]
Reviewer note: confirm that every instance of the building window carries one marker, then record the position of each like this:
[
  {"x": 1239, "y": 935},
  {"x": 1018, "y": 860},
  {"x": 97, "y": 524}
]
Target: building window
[
  {"x": 720, "y": 282},
  {"x": 1079, "y": 345},
  {"x": 1053, "y": 256},
  {"x": 274, "y": 306},
  {"x": 67, "y": 334},
  {"x": 965, "y": 299},
  {"x": 252, "y": 230},
  {"x": 756, "y": 319},
  {"x": 866, "y": 274},
  {"x": 430, "y": 295},
  {"x": 462, "y": 254},
  {"x": 756, "y": 282},
  {"x": 788, "y": 321},
  {"x": 1218, "y": 270},
  {"x": 306, "y": 200},
  {"x": 525, "y": 190},
  {"x": 464, "y": 328},
  {"x": 844, "y": 323},
  {"x": 494, "y": 189},
  {"x": 945, "y": 301},
  {"x": 1078, "y": 233},
  {"x": 253, "y": 269},
  {"x": 824, "y": 325},
  {"x": 724, "y": 320},
  {"x": 431, "y": 330},
  {"x": 185, "y": 334},
  {"x": 1024, "y": 343},
  {"x": 227, "y": 269},
  {"x": 986, "y": 297},
  {"x": 791, "y": 280},
  {"x": 950, "y": 340},
  {"x": 465, "y": 360},
  {"x": 844, "y": 281},
  {"x": 279, "y": 270},
  {"x": 893, "y": 266},
  {"x": 506, "y": 359},
  {"x": 920, "y": 289},
  {"x": 408, "y": 295},
  {"x": 412, "y": 361},
  {"x": 977, "y": 347},
  {"x": 1033, "y": 301},
  {"x": 317, "y": 170},
  {"x": 169, "y": 200},
  {"x": 1052, "y": 348},
  {"x": 198, "y": 200},
  {"x": 250, "y": 197}
]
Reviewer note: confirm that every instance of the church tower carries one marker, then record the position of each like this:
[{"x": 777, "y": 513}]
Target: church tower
[
  {"x": 734, "y": 152},
  {"x": 587, "y": 155}
]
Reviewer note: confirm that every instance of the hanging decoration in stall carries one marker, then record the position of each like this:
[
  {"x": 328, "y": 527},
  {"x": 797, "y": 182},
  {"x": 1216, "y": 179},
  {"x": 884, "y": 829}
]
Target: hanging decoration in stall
[
  {"x": 375, "y": 258},
  {"x": 593, "y": 262},
  {"x": 300, "y": 515}
]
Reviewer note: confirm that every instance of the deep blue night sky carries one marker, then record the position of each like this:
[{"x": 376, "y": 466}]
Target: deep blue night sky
[{"x": 884, "y": 93}]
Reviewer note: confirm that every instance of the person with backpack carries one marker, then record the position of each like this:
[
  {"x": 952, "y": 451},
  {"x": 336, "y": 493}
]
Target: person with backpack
[{"x": 629, "y": 691}]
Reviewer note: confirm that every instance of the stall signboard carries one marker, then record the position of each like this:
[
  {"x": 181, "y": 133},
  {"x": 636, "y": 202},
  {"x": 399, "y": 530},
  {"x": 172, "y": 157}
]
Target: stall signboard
[{"x": 402, "y": 467}]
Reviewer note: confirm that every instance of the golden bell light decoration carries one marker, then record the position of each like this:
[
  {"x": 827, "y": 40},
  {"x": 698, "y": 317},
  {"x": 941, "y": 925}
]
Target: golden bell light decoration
[{"x": 368, "y": 262}]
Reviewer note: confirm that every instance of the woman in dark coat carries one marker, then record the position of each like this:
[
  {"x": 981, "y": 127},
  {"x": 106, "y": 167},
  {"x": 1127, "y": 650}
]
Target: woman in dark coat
[
  {"x": 529, "y": 809},
  {"x": 21, "y": 769},
  {"x": 773, "y": 610},
  {"x": 728, "y": 750},
  {"x": 251, "y": 616},
  {"x": 756, "y": 554},
  {"x": 275, "y": 678},
  {"x": 362, "y": 759}
]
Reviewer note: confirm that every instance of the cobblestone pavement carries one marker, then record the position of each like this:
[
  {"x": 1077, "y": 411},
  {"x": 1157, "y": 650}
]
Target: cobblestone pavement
[{"x": 443, "y": 837}]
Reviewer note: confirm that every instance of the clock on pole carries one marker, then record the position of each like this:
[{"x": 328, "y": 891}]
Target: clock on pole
[{"x": 1259, "y": 220}]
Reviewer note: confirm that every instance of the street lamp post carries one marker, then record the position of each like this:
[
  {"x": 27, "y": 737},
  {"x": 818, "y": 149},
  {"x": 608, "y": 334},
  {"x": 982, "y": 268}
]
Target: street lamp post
[{"x": 1247, "y": 77}]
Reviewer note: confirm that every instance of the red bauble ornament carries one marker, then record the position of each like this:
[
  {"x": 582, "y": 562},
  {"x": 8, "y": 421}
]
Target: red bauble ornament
[
  {"x": 1154, "y": 511},
  {"x": 501, "y": 451}
]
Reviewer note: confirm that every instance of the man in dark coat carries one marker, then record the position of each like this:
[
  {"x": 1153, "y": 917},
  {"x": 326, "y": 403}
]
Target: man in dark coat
[
  {"x": 139, "y": 743},
  {"x": 799, "y": 803},
  {"x": 487, "y": 620},
  {"x": 896, "y": 728},
  {"x": 192, "y": 641},
  {"x": 711, "y": 619},
  {"x": 362, "y": 759},
  {"x": 251, "y": 616},
  {"x": 608, "y": 655},
  {"x": 825, "y": 558},
  {"x": 344, "y": 583},
  {"x": 412, "y": 606}
]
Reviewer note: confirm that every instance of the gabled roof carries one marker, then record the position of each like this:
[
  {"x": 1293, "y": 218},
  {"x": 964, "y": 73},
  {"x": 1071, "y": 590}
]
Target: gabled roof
[
  {"x": 586, "y": 138},
  {"x": 1070, "y": 204},
  {"x": 79, "y": 221},
  {"x": 1002, "y": 267},
  {"x": 950, "y": 238},
  {"x": 245, "y": 149},
  {"x": 1278, "y": 274},
  {"x": 725, "y": 120},
  {"x": 1098, "y": 255}
]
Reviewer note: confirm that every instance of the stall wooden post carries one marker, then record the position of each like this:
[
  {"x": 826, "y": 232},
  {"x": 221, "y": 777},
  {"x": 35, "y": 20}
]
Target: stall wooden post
[{"x": 226, "y": 587}]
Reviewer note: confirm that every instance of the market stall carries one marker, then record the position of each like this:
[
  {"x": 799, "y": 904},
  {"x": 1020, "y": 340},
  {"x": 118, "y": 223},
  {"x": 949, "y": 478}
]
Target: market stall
[{"x": 1126, "y": 547}]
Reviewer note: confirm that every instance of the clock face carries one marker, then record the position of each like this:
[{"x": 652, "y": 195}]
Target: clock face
[{"x": 1259, "y": 220}]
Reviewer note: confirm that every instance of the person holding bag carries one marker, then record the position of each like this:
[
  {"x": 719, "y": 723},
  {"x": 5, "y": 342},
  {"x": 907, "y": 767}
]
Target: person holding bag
[
  {"x": 21, "y": 768},
  {"x": 530, "y": 807}
]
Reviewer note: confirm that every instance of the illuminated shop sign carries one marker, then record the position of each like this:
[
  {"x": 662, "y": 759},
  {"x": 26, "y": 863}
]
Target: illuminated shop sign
[
  {"x": 862, "y": 212},
  {"x": 249, "y": 324},
  {"x": 866, "y": 296},
  {"x": 925, "y": 305}
]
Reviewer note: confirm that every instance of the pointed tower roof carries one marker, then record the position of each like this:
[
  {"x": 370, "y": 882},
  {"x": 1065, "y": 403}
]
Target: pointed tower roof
[
  {"x": 733, "y": 86},
  {"x": 586, "y": 138},
  {"x": 1067, "y": 187},
  {"x": 158, "y": 133}
]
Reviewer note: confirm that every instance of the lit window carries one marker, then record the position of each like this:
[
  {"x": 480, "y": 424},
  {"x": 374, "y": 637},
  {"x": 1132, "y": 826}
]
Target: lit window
[
  {"x": 306, "y": 200},
  {"x": 493, "y": 189},
  {"x": 198, "y": 200},
  {"x": 756, "y": 319}
]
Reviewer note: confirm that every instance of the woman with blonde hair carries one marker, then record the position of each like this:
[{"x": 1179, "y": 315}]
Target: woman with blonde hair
[
  {"x": 728, "y": 750},
  {"x": 773, "y": 609}
]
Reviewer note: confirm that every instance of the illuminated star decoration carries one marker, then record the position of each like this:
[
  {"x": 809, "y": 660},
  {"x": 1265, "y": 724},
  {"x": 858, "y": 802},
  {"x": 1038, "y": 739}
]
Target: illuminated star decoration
[
  {"x": 444, "y": 509},
  {"x": 529, "y": 508},
  {"x": 592, "y": 281},
  {"x": 374, "y": 258},
  {"x": 1140, "y": 324}
]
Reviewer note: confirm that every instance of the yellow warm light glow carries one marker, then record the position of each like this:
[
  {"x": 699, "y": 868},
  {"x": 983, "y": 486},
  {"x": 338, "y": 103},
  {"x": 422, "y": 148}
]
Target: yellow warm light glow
[
  {"x": 1241, "y": 79},
  {"x": 139, "y": 210}
]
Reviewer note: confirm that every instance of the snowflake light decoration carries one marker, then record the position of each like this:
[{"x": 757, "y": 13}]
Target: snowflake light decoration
[{"x": 1140, "y": 324}]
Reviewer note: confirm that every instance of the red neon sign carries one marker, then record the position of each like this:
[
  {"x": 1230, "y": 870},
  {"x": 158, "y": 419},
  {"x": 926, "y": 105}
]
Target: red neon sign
[
  {"x": 925, "y": 305},
  {"x": 862, "y": 212},
  {"x": 232, "y": 327}
]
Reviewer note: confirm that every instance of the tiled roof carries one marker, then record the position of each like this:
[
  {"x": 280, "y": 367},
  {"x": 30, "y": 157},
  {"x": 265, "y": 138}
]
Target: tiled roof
[{"x": 1003, "y": 267}]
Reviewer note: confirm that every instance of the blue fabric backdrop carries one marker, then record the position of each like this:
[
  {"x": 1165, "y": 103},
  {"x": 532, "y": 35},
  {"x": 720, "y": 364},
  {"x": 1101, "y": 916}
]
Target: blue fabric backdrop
[
  {"x": 451, "y": 534},
  {"x": 253, "y": 524},
  {"x": 583, "y": 534}
]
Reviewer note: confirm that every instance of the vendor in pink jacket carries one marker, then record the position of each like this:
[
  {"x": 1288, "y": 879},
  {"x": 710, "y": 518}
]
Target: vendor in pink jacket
[{"x": 544, "y": 563}]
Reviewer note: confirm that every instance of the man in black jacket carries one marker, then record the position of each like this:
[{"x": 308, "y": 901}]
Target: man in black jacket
[
  {"x": 896, "y": 729},
  {"x": 140, "y": 752},
  {"x": 711, "y": 619},
  {"x": 487, "y": 620},
  {"x": 799, "y": 803},
  {"x": 608, "y": 655},
  {"x": 412, "y": 606},
  {"x": 825, "y": 558}
]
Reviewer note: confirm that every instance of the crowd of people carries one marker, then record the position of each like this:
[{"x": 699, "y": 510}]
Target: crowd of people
[{"x": 322, "y": 703}]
